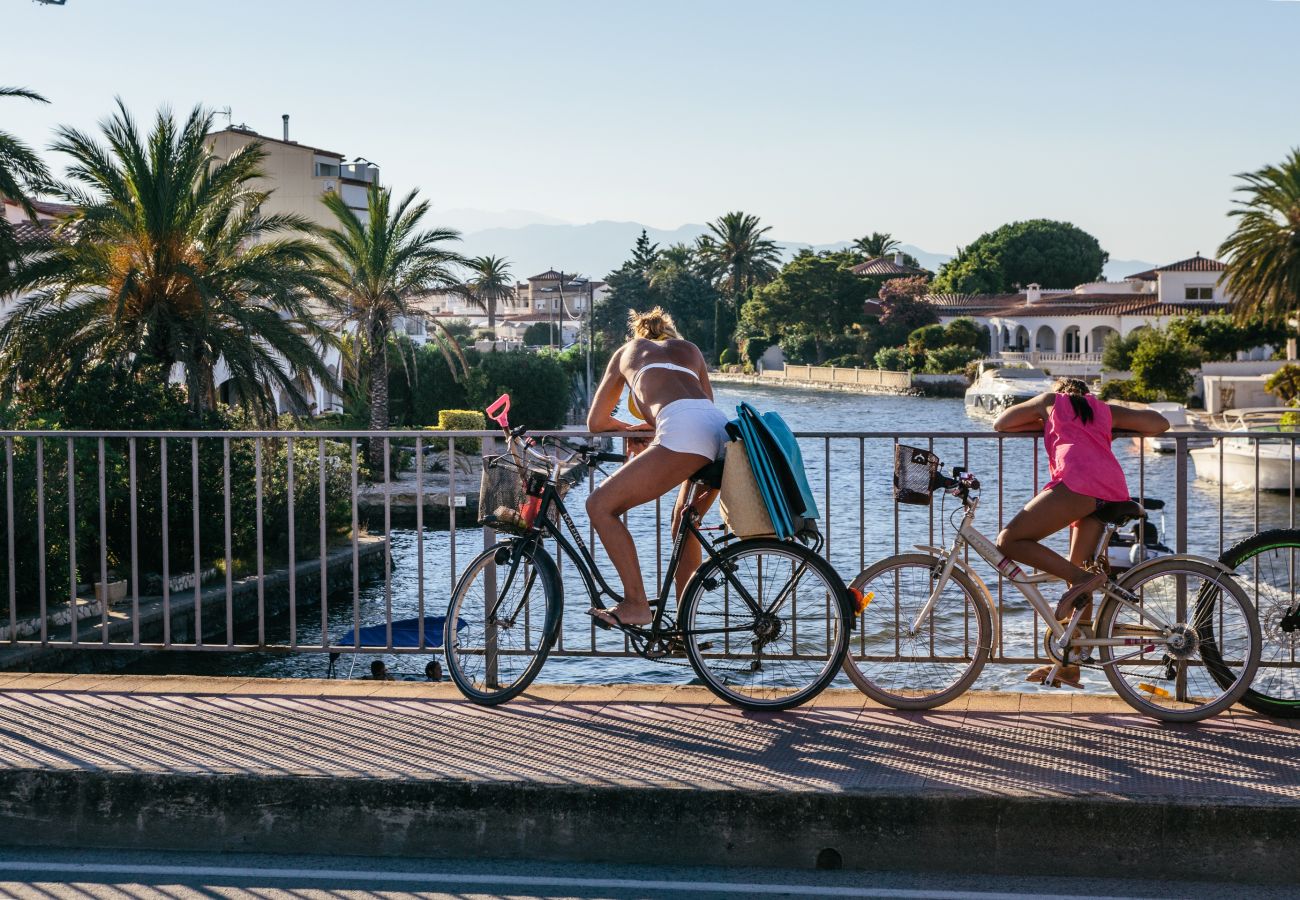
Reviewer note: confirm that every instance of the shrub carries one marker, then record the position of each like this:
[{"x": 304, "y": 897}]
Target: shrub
[
  {"x": 1123, "y": 389},
  {"x": 928, "y": 337},
  {"x": 727, "y": 357},
  {"x": 1163, "y": 365},
  {"x": 537, "y": 383},
  {"x": 952, "y": 358},
  {"x": 539, "y": 334},
  {"x": 847, "y": 361},
  {"x": 459, "y": 420},
  {"x": 965, "y": 333},
  {"x": 799, "y": 347},
  {"x": 756, "y": 346},
  {"x": 1284, "y": 384},
  {"x": 896, "y": 359},
  {"x": 1117, "y": 353}
]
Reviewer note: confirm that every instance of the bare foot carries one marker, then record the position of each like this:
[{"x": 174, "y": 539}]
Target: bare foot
[
  {"x": 1066, "y": 675},
  {"x": 629, "y": 612}
]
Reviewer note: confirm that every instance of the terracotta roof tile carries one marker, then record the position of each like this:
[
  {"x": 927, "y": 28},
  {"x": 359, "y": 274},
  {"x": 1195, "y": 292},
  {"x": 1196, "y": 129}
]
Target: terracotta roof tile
[
  {"x": 1195, "y": 263},
  {"x": 885, "y": 265}
]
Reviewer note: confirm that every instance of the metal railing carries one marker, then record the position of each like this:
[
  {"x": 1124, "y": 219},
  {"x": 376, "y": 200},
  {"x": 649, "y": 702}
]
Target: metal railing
[{"x": 288, "y": 542}]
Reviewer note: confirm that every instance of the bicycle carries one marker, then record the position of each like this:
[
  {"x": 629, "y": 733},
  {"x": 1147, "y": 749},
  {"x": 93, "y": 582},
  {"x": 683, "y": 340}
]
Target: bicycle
[
  {"x": 763, "y": 622},
  {"x": 1267, "y": 562},
  {"x": 915, "y": 649}
]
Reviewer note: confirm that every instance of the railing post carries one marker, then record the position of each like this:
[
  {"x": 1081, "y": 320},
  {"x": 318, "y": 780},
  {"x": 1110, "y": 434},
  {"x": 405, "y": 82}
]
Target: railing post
[
  {"x": 491, "y": 447},
  {"x": 1180, "y": 545}
]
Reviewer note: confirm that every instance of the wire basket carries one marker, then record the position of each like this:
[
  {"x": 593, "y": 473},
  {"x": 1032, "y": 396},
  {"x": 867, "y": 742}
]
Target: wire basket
[
  {"x": 502, "y": 495},
  {"x": 915, "y": 471}
]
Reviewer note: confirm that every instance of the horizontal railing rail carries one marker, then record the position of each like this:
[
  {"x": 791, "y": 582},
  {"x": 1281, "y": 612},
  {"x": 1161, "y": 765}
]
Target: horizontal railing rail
[{"x": 291, "y": 542}]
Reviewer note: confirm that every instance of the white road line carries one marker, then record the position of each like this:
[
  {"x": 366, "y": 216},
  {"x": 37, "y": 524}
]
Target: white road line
[{"x": 464, "y": 879}]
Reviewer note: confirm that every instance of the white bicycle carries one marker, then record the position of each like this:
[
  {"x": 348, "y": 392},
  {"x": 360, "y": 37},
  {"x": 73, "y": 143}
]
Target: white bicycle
[{"x": 1177, "y": 636}]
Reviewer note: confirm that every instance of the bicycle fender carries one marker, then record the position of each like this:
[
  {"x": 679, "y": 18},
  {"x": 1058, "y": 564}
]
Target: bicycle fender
[
  {"x": 1181, "y": 557},
  {"x": 545, "y": 564},
  {"x": 969, "y": 572}
]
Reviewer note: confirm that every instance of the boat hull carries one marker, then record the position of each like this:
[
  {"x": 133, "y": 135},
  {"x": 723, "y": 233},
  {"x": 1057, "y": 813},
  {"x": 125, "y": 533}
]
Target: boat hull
[{"x": 1270, "y": 471}]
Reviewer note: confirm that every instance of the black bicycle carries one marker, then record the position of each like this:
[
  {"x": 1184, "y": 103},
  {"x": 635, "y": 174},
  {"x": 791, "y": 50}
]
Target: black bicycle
[{"x": 764, "y": 622}]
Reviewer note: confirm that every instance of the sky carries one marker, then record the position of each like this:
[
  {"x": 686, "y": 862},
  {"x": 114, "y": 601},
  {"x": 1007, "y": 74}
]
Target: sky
[{"x": 935, "y": 120}]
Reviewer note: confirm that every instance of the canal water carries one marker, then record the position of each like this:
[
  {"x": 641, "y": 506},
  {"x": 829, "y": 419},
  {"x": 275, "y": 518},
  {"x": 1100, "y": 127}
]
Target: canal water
[{"x": 851, "y": 477}]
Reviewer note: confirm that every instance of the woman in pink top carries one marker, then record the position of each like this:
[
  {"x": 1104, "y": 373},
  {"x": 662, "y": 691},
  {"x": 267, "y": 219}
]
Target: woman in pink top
[{"x": 1085, "y": 474}]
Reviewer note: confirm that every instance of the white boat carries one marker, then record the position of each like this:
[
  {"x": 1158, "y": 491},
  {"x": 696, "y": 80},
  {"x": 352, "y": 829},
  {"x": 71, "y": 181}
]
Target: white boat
[
  {"x": 996, "y": 389},
  {"x": 1180, "y": 423},
  {"x": 1257, "y": 450}
]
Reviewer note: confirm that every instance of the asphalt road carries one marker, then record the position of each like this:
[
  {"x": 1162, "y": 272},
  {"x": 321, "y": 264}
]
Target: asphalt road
[{"x": 125, "y": 875}]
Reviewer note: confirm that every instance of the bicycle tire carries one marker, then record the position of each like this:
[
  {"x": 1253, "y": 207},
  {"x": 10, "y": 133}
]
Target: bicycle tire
[
  {"x": 868, "y": 670},
  {"x": 781, "y": 668},
  {"x": 1275, "y": 690},
  {"x": 467, "y": 635},
  {"x": 1138, "y": 683}
]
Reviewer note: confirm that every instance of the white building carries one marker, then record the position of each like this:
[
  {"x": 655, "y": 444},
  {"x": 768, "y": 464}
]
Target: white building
[
  {"x": 1068, "y": 327},
  {"x": 553, "y": 298}
]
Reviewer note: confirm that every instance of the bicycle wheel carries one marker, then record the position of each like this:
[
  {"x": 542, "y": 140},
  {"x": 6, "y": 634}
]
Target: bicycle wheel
[
  {"x": 1268, "y": 566},
  {"x": 785, "y": 654},
  {"x": 935, "y": 663},
  {"x": 1198, "y": 665},
  {"x": 493, "y": 658}
]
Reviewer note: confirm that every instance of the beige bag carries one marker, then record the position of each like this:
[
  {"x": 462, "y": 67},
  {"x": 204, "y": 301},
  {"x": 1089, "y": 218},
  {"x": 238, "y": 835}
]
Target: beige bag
[{"x": 743, "y": 509}]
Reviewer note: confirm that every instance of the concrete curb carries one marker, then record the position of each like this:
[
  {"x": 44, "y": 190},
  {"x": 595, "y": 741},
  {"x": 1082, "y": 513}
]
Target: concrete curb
[{"x": 390, "y": 817}]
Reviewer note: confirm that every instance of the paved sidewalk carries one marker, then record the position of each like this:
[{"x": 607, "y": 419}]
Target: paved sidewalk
[{"x": 987, "y": 777}]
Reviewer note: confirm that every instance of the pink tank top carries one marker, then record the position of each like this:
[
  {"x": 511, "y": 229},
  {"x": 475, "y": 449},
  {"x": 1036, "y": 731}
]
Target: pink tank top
[{"x": 1079, "y": 456}]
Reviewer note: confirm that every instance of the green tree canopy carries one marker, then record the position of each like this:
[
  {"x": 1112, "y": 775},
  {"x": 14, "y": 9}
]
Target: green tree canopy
[
  {"x": 1163, "y": 365},
  {"x": 1038, "y": 251},
  {"x": 818, "y": 295},
  {"x": 21, "y": 174},
  {"x": 904, "y": 310},
  {"x": 737, "y": 256}
]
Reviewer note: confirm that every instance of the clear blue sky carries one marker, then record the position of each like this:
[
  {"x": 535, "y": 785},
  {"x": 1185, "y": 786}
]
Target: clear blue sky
[{"x": 932, "y": 119}]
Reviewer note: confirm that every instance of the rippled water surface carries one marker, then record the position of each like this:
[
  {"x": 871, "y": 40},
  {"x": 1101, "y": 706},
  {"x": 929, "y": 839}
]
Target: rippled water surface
[{"x": 851, "y": 477}]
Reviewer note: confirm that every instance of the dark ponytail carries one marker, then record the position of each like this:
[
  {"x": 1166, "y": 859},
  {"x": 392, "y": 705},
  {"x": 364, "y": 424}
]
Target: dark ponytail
[{"x": 1077, "y": 391}]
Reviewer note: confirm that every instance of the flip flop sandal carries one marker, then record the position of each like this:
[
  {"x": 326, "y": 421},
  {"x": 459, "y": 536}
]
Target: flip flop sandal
[{"x": 1039, "y": 676}]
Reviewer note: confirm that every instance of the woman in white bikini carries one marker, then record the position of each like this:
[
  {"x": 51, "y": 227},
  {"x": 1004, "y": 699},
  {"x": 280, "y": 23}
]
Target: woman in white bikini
[{"x": 670, "y": 389}]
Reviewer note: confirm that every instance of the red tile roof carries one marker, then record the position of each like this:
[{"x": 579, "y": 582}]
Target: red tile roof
[
  {"x": 1195, "y": 263},
  {"x": 885, "y": 265},
  {"x": 1108, "y": 305}
]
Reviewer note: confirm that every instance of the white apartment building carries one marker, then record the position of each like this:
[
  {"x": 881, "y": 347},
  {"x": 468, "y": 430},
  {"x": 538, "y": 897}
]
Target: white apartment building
[{"x": 551, "y": 298}]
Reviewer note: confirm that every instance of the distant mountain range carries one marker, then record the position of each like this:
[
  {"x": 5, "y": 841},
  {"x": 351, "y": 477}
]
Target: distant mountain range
[{"x": 598, "y": 248}]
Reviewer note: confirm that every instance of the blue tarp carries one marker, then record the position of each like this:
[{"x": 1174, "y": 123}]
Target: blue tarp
[
  {"x": 406, "y": 633},
  {"x": 778, "y": 468}
]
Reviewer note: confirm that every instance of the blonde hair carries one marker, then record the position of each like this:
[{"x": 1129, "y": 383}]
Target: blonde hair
[{"x": 655, "y": 325}]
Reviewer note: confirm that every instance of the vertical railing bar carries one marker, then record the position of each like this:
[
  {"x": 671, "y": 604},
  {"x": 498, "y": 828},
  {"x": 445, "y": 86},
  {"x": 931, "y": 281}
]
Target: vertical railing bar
[
  {"x": 103, "y": 549},
  {"x": 451, "y": 514},
  {"x": 198, "y": 559},
  {"x": 1001, "y": 513},
  {"x": 40, "y": 533},
  {"x": 659, "y": 541},
  {"x": 166, "y": 546},
  {"x": 324, "y": 548},
  {"x": 826, "y": 490},
  {"x": 1257, "y": 486},
  {"x": 1180, "y": 493},
  {"x": 135, "y": 546},
  {"x": 293, "y": 546},
  {"x": 72, "y": 539},
  {"x": 229, "y": 526},
  {"x": 930, "y": 506},
  {"x": 965, "y": 461},
  {"x": 862, "y": 503},
  {"x": 388, "y": 546},
  {"x": 261, "y": 561},
  {"x": 9, "y": 538},
  {"x": 419, "y": 528},
  {"x": 356, "y": 554}
]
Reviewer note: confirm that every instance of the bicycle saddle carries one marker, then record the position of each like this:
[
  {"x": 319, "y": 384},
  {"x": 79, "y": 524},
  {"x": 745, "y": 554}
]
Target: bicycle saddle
[
  {"x": 710, "y": 474},
  {"x": 1119, "y": 512}
]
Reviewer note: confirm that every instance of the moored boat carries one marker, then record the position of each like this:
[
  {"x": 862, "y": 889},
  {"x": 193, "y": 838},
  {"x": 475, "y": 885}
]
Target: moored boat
[
  {"x": 996, "y": 389},
  {"x": 1259, "y": 450}
]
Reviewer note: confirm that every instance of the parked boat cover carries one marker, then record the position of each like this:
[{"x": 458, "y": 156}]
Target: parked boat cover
[
  {"x": 406, "y": 633},
  {"x": 778, "y": 468}
]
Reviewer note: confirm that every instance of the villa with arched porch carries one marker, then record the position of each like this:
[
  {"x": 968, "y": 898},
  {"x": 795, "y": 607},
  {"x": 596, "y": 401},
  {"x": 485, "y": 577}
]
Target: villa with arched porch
[{"x": 1066, "y": 329}]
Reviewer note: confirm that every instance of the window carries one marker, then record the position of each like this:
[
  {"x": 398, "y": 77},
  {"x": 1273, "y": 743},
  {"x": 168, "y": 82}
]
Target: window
[
  {"x": 1197, "y": 292},
  {"x": 326, "y": 170}
]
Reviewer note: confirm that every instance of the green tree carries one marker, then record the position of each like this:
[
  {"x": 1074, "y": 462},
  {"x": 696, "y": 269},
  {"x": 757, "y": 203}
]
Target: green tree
[
  {"x": 897, "y": 359},
  {"x": 1285, "y": 384},
  {"x": 1263, "y": 251},
  {"x": 950, "y": 358},
  {"x": 736, "y": 257},
  {"x": 677, "y": 285},
  {"x": 928, "y": 337},
  {"x": 1219, "y": 337},
  {"x": 817, "y": 295},
  {"x": 538, "y": 385},
  {"x": 965, "y": 333},
  {"x": 1042, "y": 251},
  {"x": 904, "y": 309},
  {"x": 170, "y": 263},
  {"x": 876, "y": 244},
  {"x": 1163, "y": 365},
  {"x": 644, "y": 254},
  {"x": 537, "y": 334},
  {"x": 373, "y": 268},
  {"x": 491, "y": 285},
  {"x": 22, "y": 174},
  {"x": 1117, "y": 352}
]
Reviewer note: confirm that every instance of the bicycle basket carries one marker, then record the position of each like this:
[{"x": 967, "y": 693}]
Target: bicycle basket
[
  {"x": 502, "y": 496},
  {"x": 914, "y": 474}
]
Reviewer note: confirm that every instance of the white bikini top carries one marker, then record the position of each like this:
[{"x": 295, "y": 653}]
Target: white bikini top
[{"x": 636, "y": 378}]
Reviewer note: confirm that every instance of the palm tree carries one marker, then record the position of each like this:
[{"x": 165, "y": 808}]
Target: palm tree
[
  {"x": 167, "y": 262},
  {"x": 1263, "y": 252},
  {"x": 374, "y": 267},
  {"x": 21, "y": 174},
  {"x": 492, "y": 284},
  {"x": 876, "y": 244},
  {"x": 738, "y": 258}
]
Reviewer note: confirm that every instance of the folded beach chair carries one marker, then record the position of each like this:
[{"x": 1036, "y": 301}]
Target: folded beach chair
[{"x": 772, "y": 453}]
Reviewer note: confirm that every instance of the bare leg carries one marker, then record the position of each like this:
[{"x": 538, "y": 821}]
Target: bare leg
[
  {"x": 1045, "y": 515},
  {"x": 1083, "y": 544},
  {"x": 649, "y": 475},
  {"x": 691, "y": 552}
]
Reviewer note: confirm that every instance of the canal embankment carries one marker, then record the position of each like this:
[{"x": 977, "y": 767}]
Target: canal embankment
[
  {"x": 851, "y": 380},
  {"x": 995, "y": 783}
]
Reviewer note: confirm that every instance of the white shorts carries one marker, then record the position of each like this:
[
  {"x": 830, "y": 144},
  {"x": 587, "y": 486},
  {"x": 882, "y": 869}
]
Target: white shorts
[{"x": 691, "y": 426}]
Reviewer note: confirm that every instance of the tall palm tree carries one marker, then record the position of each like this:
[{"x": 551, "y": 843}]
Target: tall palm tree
[
  {"x": 374, "y": 266},
  {"x": 490, "y": 285},
  {"x": 21, "y": 174},
  {"x": 737, "y": 257},
  {"x": 876, "y": 244},
  {"x": 1263, "y": 252},
  {"x": 167, "y": 262}
]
